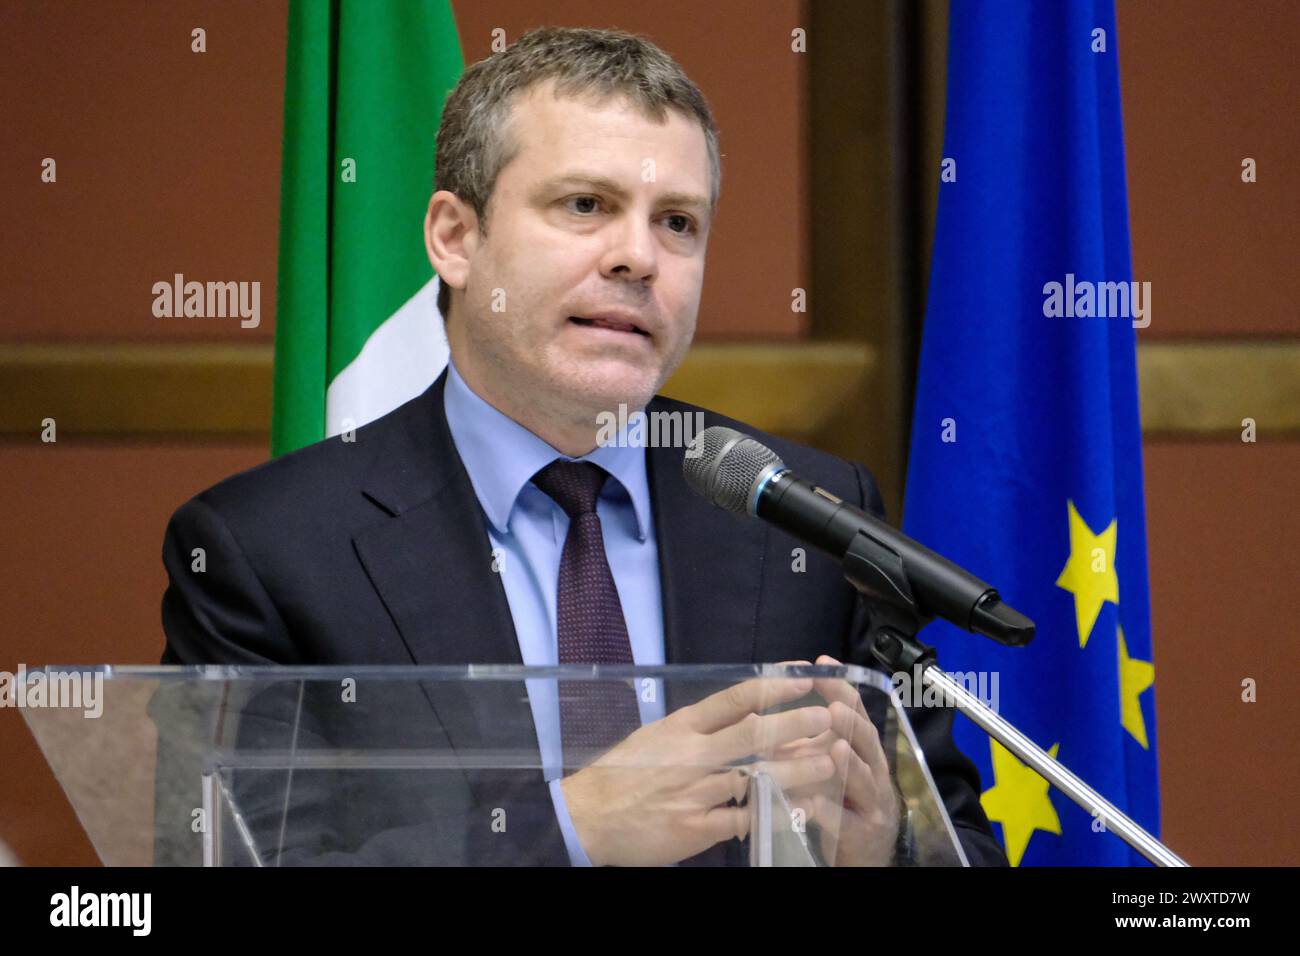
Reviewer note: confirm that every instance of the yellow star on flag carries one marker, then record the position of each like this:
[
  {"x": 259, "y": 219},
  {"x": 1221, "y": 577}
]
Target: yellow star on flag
[
  {"x": 1090, "y": 572},
  {"x": 1018, "y": 800},
  {"x": 1135, "y": 676}
]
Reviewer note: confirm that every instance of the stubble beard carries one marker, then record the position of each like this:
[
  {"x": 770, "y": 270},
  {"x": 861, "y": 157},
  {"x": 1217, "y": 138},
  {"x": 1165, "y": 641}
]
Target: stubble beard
[{"x": 558, "y": 392}]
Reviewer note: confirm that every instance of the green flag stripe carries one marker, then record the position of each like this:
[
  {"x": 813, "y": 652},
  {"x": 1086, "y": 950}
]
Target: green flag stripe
[
  {"x": 397, "y": 62},
  {"x": 298, "y": 410},
  {"x": 365, "y": 83}
]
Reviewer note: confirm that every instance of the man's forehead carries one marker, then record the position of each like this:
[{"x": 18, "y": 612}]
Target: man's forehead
[{"x": 564, "y": 137}]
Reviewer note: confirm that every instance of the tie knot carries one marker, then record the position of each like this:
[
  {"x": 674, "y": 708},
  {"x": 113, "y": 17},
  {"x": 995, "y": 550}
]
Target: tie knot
[{"x": 573, "y": 485}]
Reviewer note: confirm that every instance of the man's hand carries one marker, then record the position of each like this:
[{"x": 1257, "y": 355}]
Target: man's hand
[
  {"x": 856, "y": 809},
  {"x": 661, "y": 795}
]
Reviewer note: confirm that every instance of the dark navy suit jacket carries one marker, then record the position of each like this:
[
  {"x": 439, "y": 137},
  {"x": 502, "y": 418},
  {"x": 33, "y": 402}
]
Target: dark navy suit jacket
[{"x": 375, "y": 551}]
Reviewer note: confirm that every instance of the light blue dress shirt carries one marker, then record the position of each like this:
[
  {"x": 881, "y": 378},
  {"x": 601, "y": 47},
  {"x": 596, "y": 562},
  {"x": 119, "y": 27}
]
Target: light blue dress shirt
[{"x": 526, "y": 529}]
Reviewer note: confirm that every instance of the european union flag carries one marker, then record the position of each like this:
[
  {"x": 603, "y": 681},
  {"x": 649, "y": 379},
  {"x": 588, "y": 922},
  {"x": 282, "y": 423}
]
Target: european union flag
[{"x": 1026, "y": 457}]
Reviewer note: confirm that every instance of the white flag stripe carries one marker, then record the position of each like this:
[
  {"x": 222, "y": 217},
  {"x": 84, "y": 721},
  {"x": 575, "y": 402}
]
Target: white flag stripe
[{"x": 399, "y": 361}]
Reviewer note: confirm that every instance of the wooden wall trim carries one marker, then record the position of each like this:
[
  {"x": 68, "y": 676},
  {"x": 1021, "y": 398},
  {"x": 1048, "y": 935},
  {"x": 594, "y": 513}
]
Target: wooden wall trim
[
  {"x": 1200, "y": 389},
  {"x": 207, "y": 391},
  {"x": 1207, "y": 388},
  {"x": 136, "y": 390}
]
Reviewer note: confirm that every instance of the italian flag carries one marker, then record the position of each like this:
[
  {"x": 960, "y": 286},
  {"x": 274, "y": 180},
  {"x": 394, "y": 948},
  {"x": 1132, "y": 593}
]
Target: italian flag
[{"x": 358, "y": 330}]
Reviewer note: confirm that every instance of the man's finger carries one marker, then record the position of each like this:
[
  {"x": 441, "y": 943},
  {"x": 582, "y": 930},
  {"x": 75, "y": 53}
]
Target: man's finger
[
  {"x": 723, "y": 823},
  {"x": 736, "y": 702},
  {"x": 848, "y": 725},
  {"x": 832, "y": 789},
  {"x": 862, "y": 788},
  {"x": 717, "y": 788},
  {"x": 761, "y": 735},
  {"x": 806, "y": 746},
  {"x": 861, "y": 733},
  {"x": 799, "y": 772},
  {"x": 836, "y": 688},
  {"x": 837, "y": 824}
]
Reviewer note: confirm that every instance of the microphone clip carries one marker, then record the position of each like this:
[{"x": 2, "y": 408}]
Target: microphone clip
[{"x": 877, "y": 573}]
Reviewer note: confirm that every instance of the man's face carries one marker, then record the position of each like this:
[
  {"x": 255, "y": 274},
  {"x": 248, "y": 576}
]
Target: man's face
[{"x": 593, "y": 227}]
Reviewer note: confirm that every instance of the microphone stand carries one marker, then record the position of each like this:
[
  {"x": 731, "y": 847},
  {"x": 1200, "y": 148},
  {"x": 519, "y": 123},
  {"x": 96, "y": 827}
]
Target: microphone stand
[{"x": 878, "y": 574}]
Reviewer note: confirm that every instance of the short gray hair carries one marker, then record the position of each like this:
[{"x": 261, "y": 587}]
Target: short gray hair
[{"x": 473, "y": 141}]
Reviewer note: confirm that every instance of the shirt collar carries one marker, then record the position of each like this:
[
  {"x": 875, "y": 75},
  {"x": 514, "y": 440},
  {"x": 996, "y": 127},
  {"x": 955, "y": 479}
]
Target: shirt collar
[{"x": 501, "y": 456}]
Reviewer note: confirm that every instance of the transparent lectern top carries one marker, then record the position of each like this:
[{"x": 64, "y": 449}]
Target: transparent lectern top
[{"x": 368, "y": 765}]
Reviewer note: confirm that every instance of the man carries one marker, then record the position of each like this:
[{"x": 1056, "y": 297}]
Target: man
[{"x": 577, "y": 177}]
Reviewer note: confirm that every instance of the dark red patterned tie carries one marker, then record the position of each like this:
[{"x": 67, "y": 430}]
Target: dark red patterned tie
[{"x": 594, "y": 715}]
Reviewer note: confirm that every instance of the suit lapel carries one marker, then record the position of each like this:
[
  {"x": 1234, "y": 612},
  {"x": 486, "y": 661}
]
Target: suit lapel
[
  {"x": 710, "y": 567},
  {"x": 710, "y": 570},
  {"x": 430, "y": 562},
  {"x": 431, "y": 559}
]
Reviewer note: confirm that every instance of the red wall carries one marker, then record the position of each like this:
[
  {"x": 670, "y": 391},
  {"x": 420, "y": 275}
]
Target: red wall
[{"x": 1206, "y": 84}]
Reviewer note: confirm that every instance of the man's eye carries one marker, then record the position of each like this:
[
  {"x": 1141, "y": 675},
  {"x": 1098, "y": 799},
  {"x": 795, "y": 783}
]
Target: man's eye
[
  {"x": 688, "y": 224},
  {"x": 682, "y": 225}
]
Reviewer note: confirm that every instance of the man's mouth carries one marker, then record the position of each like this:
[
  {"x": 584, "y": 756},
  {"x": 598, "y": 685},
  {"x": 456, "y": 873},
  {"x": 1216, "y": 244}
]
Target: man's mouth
[{"x": 613, "y": 324}]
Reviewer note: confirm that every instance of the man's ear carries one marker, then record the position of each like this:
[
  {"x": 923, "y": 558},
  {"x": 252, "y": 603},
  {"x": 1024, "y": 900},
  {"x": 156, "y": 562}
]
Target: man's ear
[{"x": 450, "y": 237}]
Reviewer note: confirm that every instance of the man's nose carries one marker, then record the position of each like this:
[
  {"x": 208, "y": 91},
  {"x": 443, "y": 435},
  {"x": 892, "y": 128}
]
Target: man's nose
[{"x": 632, "y": 254}]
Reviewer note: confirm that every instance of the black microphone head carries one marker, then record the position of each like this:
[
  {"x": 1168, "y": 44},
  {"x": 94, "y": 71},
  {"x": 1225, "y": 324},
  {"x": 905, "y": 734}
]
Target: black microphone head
[{"x": 728, "y": 467}]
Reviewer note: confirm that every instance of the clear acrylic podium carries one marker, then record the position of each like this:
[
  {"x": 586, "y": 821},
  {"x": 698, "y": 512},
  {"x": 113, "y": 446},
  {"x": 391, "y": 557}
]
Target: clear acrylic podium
[{"x": 368, "y": 765}]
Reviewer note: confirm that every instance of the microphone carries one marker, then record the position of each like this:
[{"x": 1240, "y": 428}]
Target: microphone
[{"x": 744, "y": 476}]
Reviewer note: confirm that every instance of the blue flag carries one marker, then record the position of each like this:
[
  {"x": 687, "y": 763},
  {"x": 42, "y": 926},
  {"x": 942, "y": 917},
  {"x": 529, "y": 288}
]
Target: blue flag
[{"x": 1026, "y": 455}]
